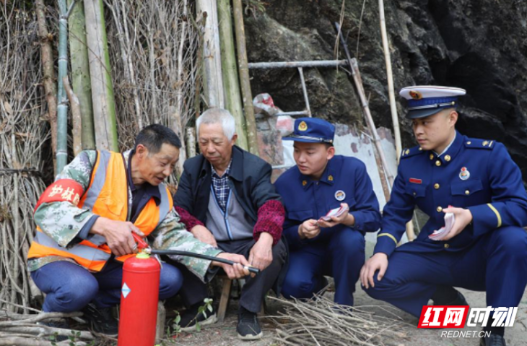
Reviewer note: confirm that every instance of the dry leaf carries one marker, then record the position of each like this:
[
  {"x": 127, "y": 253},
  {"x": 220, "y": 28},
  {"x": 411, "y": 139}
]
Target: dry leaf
[{"x": 8, "y": 108}]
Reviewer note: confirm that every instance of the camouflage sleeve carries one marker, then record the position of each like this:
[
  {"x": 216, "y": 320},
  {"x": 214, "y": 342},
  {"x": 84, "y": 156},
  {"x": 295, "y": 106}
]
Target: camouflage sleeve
[
  {"x": 172, "y": 235},
  {"x": 63, "y": 220}
]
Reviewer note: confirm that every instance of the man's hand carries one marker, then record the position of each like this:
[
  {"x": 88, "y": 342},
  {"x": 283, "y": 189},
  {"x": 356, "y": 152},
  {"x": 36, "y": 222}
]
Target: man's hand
[
  {"x": 308, "y": 229},
  {"x": 204, "y": 235},
  {"x": 345, "y": 218},
  {"x": 463, "y": 217},
  {"x": 236, "y": 271},
  {"x": 379, "y": 262},
  {"x": 118, "y": 235},
  {"x": 261, "y": 254}
]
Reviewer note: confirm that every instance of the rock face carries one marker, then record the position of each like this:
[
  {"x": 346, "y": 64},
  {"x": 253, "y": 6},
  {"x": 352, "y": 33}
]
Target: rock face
[{"x": 479, "y": 45}]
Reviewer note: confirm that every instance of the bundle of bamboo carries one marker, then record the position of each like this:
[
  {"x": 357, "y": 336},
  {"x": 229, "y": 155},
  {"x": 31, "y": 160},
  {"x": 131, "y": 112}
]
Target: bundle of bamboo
[
  {"x": 154, "y": 67},
  {"x": 21, "y": 137}
]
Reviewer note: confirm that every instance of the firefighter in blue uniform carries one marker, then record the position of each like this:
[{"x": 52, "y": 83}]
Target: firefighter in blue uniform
[
  {"x": 318, "y": 183},
  {"x": 479, "y": 183}
]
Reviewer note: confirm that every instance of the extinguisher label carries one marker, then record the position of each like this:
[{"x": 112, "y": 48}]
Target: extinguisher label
[{"x": 125, "y": 290}]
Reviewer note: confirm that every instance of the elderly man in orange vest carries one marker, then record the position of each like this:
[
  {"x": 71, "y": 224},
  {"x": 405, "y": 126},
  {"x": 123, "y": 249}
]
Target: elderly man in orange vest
[{"x": 85, "y": 221}]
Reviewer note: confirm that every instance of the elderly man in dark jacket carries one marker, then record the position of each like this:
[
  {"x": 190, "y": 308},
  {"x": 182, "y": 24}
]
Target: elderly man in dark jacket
[{"x": 226, "y": 199}]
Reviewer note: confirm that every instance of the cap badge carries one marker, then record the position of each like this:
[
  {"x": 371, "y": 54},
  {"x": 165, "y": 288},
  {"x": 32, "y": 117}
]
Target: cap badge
[
  {"x": 464, "y": 174},
  {"x": 302, "y": 126},
  {"x": 416, "y": 95},
  {"x": 340, "y": 195}
]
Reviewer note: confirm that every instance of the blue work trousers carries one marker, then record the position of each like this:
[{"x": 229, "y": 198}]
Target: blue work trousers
[
  {"x": 338, "y": 253},
  {"x": 70, "y": 287},
  {"x": 496, "y": 263}
]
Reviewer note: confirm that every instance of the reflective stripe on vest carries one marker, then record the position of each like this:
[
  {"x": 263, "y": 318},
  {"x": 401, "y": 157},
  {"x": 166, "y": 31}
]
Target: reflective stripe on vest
[
  {"x": 106, "y": 196},
  {"x": 78, "y": 251},
  {"x": 97, "y": 180}
]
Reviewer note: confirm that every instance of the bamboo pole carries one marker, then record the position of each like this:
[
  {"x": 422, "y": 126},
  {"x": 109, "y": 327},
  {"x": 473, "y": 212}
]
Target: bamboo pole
[
  {"x": 355, "y": 73},
  {"x": 389, "y": 74},
  {"x": 76, "y": 131},
  {"x": 213, "y": 81},
  {"x": 244, "y": 77},
  {"x": 369, "y": 121},
  {"x": 177, "y": 124},
  {"x": 103, "y": 100},
  {"x": 80, "y": 76},
  {"x": 62, "y": 115},
  {"x": 364, "y": 103},
  {"x": 49, "y": 75},
  {"x": 233, "y": 100},
  {"x": 410, "y": 233}
]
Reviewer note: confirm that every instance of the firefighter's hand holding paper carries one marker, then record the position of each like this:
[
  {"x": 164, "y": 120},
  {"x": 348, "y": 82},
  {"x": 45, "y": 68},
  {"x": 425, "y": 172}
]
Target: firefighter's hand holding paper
[
  {"x": 335, "y": 216},
  {"x": 456, "y": 219}
]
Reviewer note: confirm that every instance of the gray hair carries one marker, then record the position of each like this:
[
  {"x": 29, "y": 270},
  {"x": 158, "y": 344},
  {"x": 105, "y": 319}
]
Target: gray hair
[{"x": 218, "y": 116}]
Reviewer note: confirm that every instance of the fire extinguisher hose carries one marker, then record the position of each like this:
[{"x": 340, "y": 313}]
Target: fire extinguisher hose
[{"x": 197, "y": 255}]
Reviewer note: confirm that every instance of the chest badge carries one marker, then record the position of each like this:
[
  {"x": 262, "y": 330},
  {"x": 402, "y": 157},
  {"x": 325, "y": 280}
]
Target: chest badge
[
  {"x": 340, "y": 195},
  {"x": 464, "y": 174}
]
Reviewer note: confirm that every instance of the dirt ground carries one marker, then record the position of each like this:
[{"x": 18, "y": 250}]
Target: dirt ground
[{"x": 225, "y": 333}]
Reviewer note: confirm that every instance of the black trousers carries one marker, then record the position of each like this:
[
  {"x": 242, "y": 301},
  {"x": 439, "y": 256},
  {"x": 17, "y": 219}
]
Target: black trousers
[{"x": 194, "y": 290}]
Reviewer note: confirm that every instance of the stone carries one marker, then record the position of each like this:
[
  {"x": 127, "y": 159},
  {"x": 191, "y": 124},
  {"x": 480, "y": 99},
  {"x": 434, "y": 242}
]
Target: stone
[{"x": 479, "y": 45}]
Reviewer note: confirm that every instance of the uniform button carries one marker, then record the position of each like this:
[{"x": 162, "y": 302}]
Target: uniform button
[
  {"x": 447, "y": 158},
  {"x": 469, "y": 142},
  {"x": 431, "y": 156},
  {"x": 447, "y": 246},
  {"x": 415, "y": 193},
  {"x": 438, "y": 163},
  {"x": 436, "y": 186},
  {"x": 439, "y": 209},
  {"x": 467, "y": 192}
]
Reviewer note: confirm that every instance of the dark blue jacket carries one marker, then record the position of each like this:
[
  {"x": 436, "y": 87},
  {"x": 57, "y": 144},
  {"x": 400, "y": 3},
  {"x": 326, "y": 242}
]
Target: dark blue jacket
[
  {"x": 249, "y": 179},
  {"x": 305, "y": 199},
  {"x": 475, "y": 174}
]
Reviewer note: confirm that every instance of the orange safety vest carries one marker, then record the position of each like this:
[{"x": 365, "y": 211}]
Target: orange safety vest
[{"x": 106, "y": 196}]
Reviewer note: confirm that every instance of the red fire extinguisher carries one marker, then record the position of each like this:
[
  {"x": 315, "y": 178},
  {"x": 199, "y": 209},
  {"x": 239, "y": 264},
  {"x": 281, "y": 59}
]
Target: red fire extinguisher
[{"x": 139, "y": 297}]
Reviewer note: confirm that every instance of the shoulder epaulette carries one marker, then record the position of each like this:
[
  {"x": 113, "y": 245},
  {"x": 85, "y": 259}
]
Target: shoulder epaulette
[
  {"x": 411, "y": 152},
  {"x": 476, "y": 143}
]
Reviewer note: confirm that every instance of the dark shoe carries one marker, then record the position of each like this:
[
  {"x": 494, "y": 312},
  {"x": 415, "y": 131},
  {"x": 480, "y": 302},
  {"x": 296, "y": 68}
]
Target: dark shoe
[
  {"x": 493, "y": 340},
  {"x": 457, "y": 297},
  {"x": 248, "y": 327},
  {"x": 191, "y": 316},
  {"x": 101, "y": 320},
  {"x": 62, "y": 324}
]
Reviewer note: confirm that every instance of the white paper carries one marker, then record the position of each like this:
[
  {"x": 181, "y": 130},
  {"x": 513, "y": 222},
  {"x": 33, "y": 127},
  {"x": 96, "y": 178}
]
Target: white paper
[
  {"x": 443, "y": 231},
  {"x": 334, "y": 212}
]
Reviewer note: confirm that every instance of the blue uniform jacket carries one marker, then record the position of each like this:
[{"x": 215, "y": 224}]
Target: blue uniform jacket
[
  {"x": 304, "y": 199},
  {"x": 475, "y": 174}
]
